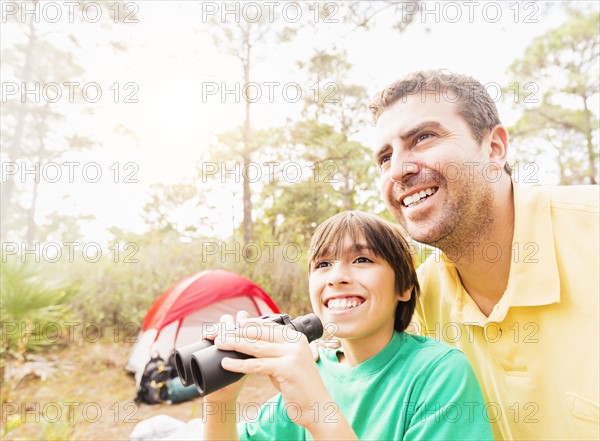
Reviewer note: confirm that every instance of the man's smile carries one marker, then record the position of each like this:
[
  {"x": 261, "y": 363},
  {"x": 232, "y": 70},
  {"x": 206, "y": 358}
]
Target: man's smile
[{"x": 416, "y": 197}]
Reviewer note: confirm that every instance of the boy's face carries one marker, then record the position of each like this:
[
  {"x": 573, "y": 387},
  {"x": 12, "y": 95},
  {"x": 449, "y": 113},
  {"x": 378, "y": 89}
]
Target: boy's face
[{"x": 356, "y": 293}]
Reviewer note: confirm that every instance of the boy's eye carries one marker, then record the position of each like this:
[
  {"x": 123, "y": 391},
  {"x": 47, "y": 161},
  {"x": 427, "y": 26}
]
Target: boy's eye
[
  {"x": 363, "y": 259},
  {"x": 321, "y": 264}
]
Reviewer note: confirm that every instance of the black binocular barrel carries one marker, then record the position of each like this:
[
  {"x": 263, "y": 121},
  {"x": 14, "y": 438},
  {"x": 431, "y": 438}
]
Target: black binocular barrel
[
  {"x": 309, "y": 325},
  {"x": 203, "y": 365},
  {"x": 207, "y": 372},
  {"x": 182, "y": 360}
]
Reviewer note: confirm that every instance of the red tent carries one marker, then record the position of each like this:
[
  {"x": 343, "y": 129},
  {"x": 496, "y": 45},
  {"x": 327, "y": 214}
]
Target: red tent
[{"x": 177, "y": 317}]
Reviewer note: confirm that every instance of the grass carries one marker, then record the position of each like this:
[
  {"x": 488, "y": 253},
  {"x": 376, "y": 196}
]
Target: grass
[{"x": 95, "y": 399}]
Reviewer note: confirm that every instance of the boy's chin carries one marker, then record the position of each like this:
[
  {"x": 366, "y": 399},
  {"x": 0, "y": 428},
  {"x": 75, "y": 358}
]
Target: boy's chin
[{"x": 344, "y": 331}]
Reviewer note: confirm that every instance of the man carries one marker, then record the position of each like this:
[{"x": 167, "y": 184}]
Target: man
[{"x": 516, "y": 286}]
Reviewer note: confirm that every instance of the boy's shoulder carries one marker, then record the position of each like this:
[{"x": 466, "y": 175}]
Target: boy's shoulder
[
  {"x": 428, "y": 351},
  {"x": 421, "y": 343},
  {"x": 404, "y": 350}
]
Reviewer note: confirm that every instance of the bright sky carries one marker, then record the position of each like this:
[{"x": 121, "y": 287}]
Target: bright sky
[{"x": 170, "y": 61}]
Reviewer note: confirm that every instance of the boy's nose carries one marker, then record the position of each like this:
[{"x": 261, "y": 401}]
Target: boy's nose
[{"x": 339, "y": 274}]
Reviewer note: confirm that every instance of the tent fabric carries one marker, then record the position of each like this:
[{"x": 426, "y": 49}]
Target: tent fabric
[
  {"x": 176, "y": 318},
  {"x": 197, "y": 291}
]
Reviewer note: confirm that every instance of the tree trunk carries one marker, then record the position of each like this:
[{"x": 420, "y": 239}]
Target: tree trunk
[
  {"x": 31, "y": 225},
  {"x": 11, "y": 152},
  {"x": 246, "y": 156},
  {"x": 590, "y": 144}
]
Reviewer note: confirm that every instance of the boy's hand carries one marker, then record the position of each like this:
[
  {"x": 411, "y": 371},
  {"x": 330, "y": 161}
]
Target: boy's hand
[{"x": 285, "y": 356}]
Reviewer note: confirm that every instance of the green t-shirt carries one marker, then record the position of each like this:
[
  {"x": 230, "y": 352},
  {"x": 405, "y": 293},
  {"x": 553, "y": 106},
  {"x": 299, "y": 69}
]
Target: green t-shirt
[{"x": 415, "y": 388}]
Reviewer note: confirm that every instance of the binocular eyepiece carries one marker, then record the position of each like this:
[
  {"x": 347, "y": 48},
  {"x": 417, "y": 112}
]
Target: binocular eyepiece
[{"x": 200, "y": 362}]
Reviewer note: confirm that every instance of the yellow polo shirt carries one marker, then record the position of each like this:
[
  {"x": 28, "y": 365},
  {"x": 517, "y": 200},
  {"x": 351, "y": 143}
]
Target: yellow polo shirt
[{"x": 537, "y": 355}]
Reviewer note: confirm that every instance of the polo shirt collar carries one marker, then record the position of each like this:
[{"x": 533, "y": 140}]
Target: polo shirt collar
[{"x": 533, "y": 279}]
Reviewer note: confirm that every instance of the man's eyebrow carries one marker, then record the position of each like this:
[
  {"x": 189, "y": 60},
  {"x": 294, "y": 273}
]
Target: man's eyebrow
[
  {"x": 431, "y": 125},
  {"x": 421, "y": 126}
]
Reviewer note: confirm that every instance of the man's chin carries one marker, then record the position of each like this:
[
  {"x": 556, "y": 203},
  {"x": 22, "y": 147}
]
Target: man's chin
[{"x": 422, "y": 233}]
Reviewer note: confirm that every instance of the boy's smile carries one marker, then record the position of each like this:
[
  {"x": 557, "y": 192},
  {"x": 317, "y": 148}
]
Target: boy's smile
[
  {"x": 343, "y": 303},
  {"x": 356, "y": 291}
]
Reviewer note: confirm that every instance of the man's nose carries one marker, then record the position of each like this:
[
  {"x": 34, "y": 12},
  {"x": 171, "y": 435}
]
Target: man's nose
[{"x": 401, "y": 166}]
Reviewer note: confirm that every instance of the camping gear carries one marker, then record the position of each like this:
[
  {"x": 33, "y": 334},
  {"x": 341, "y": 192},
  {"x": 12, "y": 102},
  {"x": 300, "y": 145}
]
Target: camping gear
[
  {"x": 205, "y": 364},
  {"x": 178, "y": 316},
  {"x": 153, "y": 387},
  {"x": 166, "y": 428},
  {"x": 178, "y": 393}
]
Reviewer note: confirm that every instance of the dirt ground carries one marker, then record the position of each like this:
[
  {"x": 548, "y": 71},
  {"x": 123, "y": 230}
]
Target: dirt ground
[{"x": 94, "y": 400}]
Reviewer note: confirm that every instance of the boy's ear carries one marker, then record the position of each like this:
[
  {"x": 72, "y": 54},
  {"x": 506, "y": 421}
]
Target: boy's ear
[{"x": 406, "y": 295}]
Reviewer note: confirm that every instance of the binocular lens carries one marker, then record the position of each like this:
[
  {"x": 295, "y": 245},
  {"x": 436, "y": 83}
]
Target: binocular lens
[
  {"x": 181, "y": 369},
  {"x": 197, "y": 376},
  {"x": 182, "y": 360}
]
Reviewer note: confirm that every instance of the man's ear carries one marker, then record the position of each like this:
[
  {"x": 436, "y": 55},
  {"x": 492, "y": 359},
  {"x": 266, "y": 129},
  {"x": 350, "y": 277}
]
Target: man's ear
[
  {"x": 406, "y": 295},
  {"x": 497, "y": 143}
]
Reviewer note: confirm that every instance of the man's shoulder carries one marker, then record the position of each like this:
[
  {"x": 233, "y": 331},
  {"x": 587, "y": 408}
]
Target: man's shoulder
[
  {"x": 437, "y": 281},
  {"x": 569, "y": 197},
  {"x": 435, "y": 266},
  {"x": 578, "y": 197}
]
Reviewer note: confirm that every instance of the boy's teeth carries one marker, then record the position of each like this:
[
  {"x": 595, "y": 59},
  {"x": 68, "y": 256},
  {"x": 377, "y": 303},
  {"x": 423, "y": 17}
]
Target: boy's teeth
[{"x": 343, "y": 303}]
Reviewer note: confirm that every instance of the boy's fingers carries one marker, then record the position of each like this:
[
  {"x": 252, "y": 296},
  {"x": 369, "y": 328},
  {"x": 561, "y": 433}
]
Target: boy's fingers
[
  {"x": 261, "y": 366},
  {"x": 228, "y": 321},
  {"x": 256, "y": 348}
]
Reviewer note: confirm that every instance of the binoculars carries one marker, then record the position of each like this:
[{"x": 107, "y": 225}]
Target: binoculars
[{"x": 200, "y": 362}]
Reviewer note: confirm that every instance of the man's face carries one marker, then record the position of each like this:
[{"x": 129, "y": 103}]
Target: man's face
[{"x": 435, "y": 178}]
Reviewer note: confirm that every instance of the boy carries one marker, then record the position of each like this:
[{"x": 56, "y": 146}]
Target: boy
[{"x": 382, "y": 383}]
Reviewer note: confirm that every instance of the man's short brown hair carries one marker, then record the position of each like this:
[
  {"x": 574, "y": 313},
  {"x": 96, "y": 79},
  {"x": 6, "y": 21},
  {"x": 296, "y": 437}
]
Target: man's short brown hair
[
  {"x": 384, "y": 239},
  {"x": 473, "y": 102}
]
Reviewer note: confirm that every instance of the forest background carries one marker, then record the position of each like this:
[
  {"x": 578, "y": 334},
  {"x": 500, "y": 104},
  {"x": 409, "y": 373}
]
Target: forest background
[{"x": 145, "y": 141}]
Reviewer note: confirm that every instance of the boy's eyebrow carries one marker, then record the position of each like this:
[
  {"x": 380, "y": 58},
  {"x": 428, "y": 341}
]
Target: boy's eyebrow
[
  {"x": 360, "y": 247},
  {"x": 354, "y": 248}
]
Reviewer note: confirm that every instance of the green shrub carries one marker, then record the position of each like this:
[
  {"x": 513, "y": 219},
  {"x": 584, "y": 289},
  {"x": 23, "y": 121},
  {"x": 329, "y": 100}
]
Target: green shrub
[{"x": 33, "y": 309}]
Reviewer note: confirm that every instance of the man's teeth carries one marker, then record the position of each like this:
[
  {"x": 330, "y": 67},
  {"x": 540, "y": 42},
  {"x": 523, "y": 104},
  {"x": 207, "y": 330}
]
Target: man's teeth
[
  {"x": 343, "y": 303},
  {"x": 414, "y": 198}
]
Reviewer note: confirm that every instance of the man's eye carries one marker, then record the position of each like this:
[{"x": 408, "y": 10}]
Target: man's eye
[
  {"x": 363, "y": 259},
  {"x": 383, "y": 159},
  {"x": 423, "y": 136}
]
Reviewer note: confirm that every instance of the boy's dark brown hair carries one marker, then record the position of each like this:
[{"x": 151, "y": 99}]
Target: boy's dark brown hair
[{"x": 384, "y": 239}]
